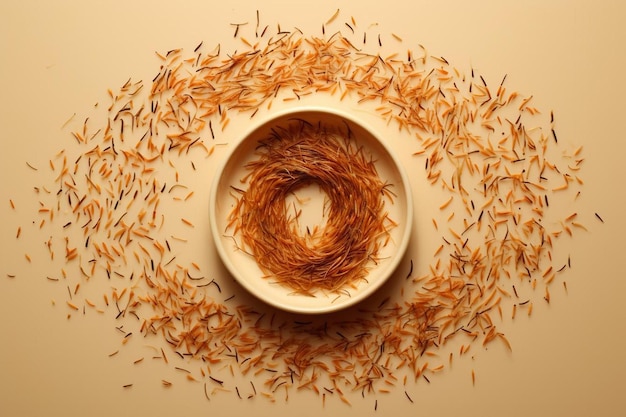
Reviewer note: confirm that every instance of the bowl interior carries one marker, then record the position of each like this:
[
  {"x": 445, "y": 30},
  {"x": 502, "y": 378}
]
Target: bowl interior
[{"x": 243, "y": 266}]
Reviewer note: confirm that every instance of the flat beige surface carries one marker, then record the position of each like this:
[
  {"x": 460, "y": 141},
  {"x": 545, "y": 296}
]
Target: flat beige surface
[{"x": 59, "y": 58}]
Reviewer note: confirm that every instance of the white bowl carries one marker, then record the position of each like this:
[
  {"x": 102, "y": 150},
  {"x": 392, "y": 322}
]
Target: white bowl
[{"x": 244, "y": 267}]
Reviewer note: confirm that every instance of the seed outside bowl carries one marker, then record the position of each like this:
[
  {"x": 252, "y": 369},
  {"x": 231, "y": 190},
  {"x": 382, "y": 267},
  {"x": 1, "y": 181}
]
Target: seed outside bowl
[{"x": 243, "y": 266}]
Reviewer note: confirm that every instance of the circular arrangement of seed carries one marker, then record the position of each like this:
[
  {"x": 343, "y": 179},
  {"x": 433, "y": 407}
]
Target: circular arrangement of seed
[
  {"x": 509, "y": 186},
  {"x": 330, "y": 258}
]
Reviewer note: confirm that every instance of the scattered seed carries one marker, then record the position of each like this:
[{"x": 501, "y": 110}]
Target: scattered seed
[{"x": 114, "y": 196}]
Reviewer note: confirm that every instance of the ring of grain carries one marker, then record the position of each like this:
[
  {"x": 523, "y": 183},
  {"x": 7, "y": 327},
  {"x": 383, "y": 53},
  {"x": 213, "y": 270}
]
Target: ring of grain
[{"x": 336, "y": 257}]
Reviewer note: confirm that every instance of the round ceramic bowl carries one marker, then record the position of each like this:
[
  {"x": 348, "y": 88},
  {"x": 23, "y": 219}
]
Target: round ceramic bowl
[{"x": 244, "y": 267}]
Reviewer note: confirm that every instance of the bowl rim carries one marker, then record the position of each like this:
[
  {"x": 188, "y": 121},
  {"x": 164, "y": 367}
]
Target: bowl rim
[{"x": 407, "y": 222}]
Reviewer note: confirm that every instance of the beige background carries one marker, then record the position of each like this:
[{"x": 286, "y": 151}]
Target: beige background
[{"x": 58, "y": 58}]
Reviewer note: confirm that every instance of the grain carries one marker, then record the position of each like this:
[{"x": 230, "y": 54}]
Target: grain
[
  {"x": 489, "y": 154},
  {"x": 335, "y": 257}
]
